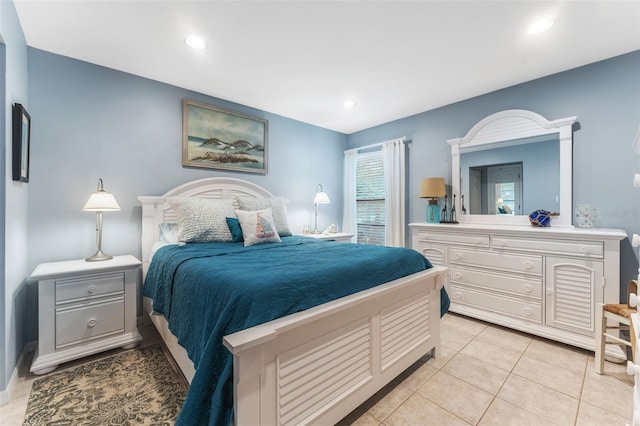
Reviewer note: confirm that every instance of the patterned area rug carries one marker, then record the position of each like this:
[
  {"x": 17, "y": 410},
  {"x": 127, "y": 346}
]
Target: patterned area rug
[{"x": 136, "y": 387}]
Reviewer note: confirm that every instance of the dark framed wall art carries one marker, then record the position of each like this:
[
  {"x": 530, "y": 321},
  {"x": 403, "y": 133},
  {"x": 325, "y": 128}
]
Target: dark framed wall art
[
  {"x": 21, "y": 143},
  {"x": 216, "y": 138}
]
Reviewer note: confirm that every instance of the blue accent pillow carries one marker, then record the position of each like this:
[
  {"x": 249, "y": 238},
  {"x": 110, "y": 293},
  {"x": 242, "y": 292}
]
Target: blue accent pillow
[{"x": 236, "y": 230}]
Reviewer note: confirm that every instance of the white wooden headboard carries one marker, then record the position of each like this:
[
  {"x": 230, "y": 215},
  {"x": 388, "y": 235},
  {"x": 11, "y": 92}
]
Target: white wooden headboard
[{"x": 155, "y": 209}]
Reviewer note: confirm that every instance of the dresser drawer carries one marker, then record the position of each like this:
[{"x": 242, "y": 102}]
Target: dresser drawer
[
  {"x": 89, "y": 286},
  {"x": 515, "y": 285},
  {"x": 527, "y": 310},
  {"x": 77, "y": 324},
  {"x": 583, "y": 249},
  {"x": 498, "y": 261},
  {"x": 476, "y": 240}
]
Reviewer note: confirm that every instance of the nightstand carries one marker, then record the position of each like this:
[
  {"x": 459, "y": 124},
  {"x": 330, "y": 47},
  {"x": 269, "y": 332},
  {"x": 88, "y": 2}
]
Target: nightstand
[
  {"x": 84, "y": 308},
  {"x": 338, "y": 236}
]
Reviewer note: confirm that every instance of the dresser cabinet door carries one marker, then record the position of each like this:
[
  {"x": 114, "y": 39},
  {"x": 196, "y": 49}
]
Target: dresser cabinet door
[
  {"x": 573, "y": 287},
  {"x": 437, "y": 254}
]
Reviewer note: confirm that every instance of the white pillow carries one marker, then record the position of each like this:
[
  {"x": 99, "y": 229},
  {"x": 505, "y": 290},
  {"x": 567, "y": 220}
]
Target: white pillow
[
  {"x": 202, "y": 220},
  {"x": 278, "y": 207},
  {"x": 257, "y": 227},
  {"x": 169, "y": 232}
]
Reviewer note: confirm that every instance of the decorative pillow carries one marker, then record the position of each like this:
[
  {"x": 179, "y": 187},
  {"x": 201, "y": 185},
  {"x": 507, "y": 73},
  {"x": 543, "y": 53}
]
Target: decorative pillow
[
  {"x": 169, "y": 233},
  {"x": 257, "y": 227},
  {"x": 278, "y": 207},
  {"x": 202, "y": 220},
  {"x": 236, "y": 230}
]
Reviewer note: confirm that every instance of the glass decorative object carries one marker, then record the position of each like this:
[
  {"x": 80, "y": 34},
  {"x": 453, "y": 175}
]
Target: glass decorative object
[{"x": 585, "y": 216}]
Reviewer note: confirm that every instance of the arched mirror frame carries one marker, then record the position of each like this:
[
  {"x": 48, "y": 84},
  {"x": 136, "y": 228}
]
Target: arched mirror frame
[{"x": 509, "y": 125}]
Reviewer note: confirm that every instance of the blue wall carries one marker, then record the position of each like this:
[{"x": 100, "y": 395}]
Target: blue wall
[
  {"x": 605, "y": 96},
  {"x": 13, "y": 199},
  {"x": 90, "y": 122}
]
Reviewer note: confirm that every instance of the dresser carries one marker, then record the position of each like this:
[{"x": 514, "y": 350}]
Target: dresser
[
  {"x": 543, "y": 281},
  {"x": 84, "y": 308}
]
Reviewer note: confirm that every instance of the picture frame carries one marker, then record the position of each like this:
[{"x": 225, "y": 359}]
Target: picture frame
[
  {"x": 217, "y": 138},
  {"x": 21, "y": 143}
]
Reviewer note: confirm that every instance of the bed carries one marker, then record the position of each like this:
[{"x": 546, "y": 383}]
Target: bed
[{"x": 314, "y": 365}]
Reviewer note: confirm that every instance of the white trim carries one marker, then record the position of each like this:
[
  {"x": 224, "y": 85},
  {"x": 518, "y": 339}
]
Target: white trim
[{"x": 7, "y": 394}]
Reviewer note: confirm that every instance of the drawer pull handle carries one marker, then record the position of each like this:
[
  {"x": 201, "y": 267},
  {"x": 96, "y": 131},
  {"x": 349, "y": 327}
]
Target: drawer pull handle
[
  {"x": 528, "y": 288},
  {"x": 458, "y": 275},
  {"x": 92, "y": 323},
  {"x": 527, "y": 312},
  {"x": 586, "y": 250},
  {"x": 458, "y": 255},
  {"x": 458, "y": 295},
  {"x": 92, "y": 289},
  {"x": 528, "y": 265}
]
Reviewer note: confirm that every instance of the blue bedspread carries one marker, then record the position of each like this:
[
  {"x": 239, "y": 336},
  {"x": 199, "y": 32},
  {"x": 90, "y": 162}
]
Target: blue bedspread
[{"x": 207, "y": 291}]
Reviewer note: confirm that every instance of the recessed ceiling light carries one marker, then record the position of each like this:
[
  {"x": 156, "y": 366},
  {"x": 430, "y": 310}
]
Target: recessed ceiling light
[
  {"x": 195, "y": 42},
  {"x": 349, "y": 104},
  {"x": 540, "y": 26}
]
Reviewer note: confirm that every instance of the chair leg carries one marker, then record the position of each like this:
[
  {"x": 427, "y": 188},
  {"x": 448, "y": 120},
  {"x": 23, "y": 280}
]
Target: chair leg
[{"x": 601, "y": 326}]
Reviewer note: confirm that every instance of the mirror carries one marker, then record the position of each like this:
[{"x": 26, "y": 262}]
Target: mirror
[{"x": 510, "y": 164}]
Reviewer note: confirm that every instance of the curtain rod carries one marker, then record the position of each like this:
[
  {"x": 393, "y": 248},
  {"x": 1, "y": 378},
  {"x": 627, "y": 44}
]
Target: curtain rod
[{"x": 375, "y": 145}]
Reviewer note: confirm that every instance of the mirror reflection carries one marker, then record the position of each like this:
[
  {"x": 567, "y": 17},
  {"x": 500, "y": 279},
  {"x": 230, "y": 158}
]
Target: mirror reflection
[{"x": 511, "y": 178}]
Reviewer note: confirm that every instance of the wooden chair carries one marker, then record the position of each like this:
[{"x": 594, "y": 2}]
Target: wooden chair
[{"x": 618, "y": 313}]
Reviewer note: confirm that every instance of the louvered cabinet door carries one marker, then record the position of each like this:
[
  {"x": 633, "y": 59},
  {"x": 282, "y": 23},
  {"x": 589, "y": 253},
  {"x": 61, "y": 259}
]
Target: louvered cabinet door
[
  {"x": 437, "y": 255},
  {"x": 573, "y": 287}
]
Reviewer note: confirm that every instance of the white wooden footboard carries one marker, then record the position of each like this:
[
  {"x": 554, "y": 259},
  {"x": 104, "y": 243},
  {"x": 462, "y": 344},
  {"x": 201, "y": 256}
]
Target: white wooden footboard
[{"x": 318, "y": 365}]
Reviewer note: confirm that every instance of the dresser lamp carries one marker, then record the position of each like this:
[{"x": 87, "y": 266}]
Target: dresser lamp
[
  {"x": 320, "y": 198},
  {"x": 433, "y": 188},
  {"x": 100, "y": 201}
]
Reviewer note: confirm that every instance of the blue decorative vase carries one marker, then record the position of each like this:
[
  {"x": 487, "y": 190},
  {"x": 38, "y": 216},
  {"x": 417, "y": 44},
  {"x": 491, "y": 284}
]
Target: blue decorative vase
[
  {"x": 541, "y": 218},
  {"x": 433, "y": 211}
]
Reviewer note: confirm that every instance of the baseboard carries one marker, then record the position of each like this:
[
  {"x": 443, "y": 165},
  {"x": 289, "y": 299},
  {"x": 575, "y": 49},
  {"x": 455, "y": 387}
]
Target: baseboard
[{"x": 6, "y": 394}]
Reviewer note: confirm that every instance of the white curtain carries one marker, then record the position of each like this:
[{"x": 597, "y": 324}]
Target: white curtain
[
  {"x": 349, "y": 220},
  {"x": 394, "y": 188}
]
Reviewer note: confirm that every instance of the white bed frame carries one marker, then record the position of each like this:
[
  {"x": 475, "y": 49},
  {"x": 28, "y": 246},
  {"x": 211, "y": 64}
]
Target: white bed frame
[{"x": 318, "y": 365}]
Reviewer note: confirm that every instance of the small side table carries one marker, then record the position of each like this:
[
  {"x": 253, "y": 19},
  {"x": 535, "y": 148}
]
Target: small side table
[
  {"x": 84, "y": 308},
  {"x": 338, "y": 236}
]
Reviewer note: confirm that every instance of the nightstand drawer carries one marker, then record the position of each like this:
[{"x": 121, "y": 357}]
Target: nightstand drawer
[
  {"x": 81, "y": 323},
  {"x": 90, "y": 286}
]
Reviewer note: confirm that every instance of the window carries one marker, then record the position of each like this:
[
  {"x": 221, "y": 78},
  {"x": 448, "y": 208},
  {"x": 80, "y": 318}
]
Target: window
[{"x": 370, "y": 198}]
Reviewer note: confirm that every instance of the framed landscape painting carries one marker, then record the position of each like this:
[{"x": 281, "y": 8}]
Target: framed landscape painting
[{"x": 216, "y": 138}]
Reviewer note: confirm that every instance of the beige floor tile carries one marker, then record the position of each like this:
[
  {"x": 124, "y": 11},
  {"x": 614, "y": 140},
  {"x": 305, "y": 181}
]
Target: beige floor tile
[
  {"x": 558, "y": 378},
  {"x": 505, "y": 338},
  {"x": 590, "y": 415},
  {"x": 456, "y": 337},
  {"x": 365, "y": 420},
  {"x": 608, "y": 392},
  {"x": 419, "y": 377},
  {"x": 502, "y": 413},
  {"x": 456, "y": 396},
  {"x": 612, "y": 369},
  {"x": 558, "y": 354},
  {"x": 392, "y": 400},
  {"x": 418, "y": 411},
  {"x": 446, "y": 354},
  {"x": 463, "y": 323},
  {"x": 540, "y": 400},
  {"x": 492, "y": 354},
  {"x": 476, "y": 373},
  {"x": 12, "y": 413}
]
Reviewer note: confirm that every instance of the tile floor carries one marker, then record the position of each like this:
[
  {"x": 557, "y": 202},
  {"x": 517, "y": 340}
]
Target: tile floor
[{"x": 485, "y": 375}]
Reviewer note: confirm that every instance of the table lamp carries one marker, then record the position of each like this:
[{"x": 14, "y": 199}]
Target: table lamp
[
  {"x": 99, "y": 202},
  {"x": 433, "y": 188},
  {"x": 320, "y": 198}
]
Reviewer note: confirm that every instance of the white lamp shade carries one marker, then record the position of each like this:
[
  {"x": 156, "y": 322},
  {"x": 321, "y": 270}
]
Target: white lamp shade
[
  {"x": 101, "y": 201},
  {"x": 321, "y": 198}
]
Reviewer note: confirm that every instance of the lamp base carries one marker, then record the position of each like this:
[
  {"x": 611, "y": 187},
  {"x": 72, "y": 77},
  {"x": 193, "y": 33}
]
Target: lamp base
[
  {"x": 98, "y": 257},
  {"x": 433, "y": 211}
]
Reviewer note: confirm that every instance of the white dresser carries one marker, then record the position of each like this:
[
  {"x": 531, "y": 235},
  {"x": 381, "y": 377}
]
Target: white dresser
[
  {"x": 84, "y": 308},
  {"x": 544, "y": 281}
]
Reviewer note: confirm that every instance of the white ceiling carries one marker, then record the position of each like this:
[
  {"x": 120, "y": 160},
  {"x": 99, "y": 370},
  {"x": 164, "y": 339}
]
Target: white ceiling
[{"x": 302, "y": 59}]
